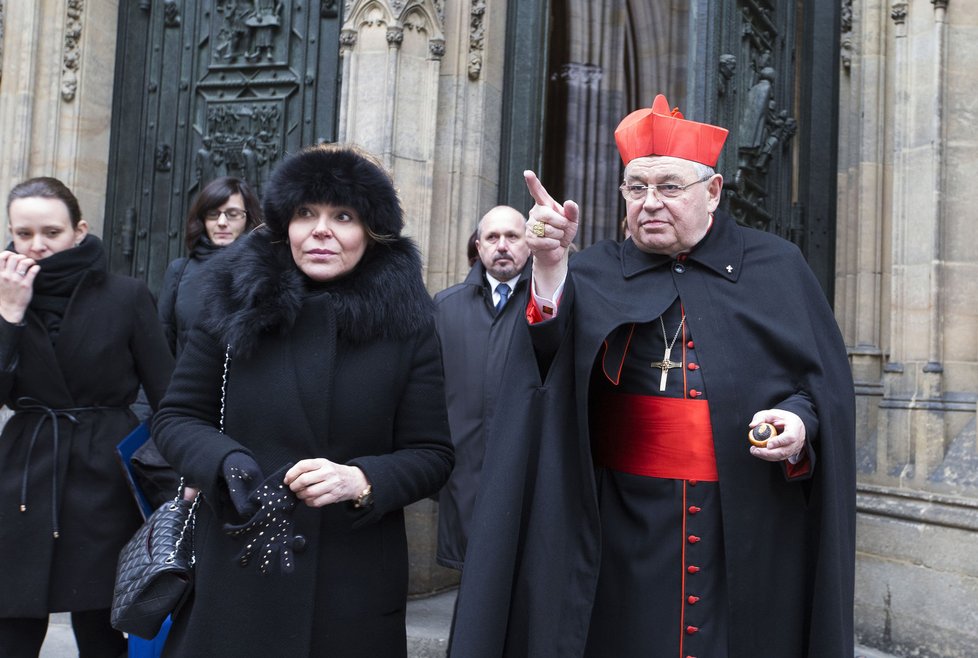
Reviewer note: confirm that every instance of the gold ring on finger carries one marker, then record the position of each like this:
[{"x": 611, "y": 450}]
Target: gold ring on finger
[{"x": 539, "y": 229}]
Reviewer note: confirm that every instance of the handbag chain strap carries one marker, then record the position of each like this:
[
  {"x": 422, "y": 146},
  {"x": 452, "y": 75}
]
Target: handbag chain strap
[{"x": 188, "y": 523}]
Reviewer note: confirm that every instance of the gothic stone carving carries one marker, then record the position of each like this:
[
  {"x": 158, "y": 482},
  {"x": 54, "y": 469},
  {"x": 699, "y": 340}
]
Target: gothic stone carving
[
  {"x": 72, "y": 53},
  {"x": 846, "y": 40},
  {"x": 477, "y": 34},
  {"x": 898, "y": 12}
]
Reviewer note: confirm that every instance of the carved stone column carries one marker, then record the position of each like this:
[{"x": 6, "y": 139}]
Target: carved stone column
[
  {"x": 861, "y": 257},
  {"x": 907, "y": 285},
  {"x": 466, "y": 178},
  {"x": 390, "y": 96},
  {"x": 57, "y": 96},
  {"x": 915, "y": 401}
]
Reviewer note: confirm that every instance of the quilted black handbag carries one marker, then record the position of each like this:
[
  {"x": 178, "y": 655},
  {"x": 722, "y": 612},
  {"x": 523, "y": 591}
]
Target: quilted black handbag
[{"x": 155, "y": 571}]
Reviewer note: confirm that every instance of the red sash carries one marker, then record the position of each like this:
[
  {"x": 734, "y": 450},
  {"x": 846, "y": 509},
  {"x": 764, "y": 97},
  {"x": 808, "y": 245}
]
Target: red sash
[{"x": 654, "y": 436}]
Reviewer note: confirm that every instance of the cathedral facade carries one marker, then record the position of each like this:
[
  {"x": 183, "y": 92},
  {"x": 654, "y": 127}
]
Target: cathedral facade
[{"x": 851, "y": 135}]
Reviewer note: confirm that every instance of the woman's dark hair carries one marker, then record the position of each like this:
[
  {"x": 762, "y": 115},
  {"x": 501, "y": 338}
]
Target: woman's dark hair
[
  {"x": 471, "y": 249},
  {"x": 48, "y": 188},
  {"x": 214, "y": 195}
]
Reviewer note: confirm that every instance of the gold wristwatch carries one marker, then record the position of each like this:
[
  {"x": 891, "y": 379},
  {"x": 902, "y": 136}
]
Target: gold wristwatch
[{"x": 366, "y": 498}]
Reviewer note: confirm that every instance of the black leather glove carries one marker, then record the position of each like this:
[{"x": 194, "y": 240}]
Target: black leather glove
[
  {"x": 242, "y": 476},
  {"x": 269, "y": 533}
]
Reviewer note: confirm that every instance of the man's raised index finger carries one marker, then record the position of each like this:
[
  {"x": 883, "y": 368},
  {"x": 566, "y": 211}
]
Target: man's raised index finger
[{"x": 539, "y": 192}]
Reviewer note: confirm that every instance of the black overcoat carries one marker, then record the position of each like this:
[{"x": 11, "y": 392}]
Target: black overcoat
[
  {"x": 475, "y": 342},
  {"x": 350, "y": 372},
  {"x": 110, "y": 342},
  {"x": 180, "y": 302},
  {"x": 764, "y": 328}
]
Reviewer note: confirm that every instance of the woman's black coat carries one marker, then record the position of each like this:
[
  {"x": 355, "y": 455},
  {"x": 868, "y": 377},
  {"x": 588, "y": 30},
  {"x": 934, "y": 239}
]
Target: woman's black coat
[
  {"x": 350, "y": 372},
  {"x": 110, "y": 342},
  {"x": 180, "y": 303}
]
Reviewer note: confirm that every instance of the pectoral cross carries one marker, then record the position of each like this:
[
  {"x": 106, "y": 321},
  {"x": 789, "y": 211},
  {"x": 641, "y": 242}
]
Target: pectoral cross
[{"x": 665, "y": 366}]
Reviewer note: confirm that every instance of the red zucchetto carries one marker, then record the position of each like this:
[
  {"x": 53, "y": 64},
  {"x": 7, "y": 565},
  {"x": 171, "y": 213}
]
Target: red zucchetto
[{"x": 657, "y": 131}]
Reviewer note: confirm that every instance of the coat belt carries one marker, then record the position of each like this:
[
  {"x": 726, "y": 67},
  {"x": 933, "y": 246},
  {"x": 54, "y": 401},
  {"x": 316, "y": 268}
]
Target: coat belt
[{"x": 28, "y": 405}]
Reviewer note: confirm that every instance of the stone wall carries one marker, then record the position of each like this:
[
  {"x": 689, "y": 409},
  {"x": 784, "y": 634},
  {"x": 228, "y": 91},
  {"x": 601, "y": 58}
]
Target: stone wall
[
  {"x": 907, "y": 287},
  {"x": 422, "y": 88},
  {"x": 56, "y": 96}
]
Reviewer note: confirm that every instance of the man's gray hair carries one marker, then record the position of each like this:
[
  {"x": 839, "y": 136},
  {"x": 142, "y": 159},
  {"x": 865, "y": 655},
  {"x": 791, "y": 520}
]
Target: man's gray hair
[{"x": 704, "y": 171}]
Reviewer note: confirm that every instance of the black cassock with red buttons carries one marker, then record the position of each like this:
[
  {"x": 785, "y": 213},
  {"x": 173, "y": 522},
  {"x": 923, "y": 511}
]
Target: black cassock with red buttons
[{"x": 575, "y": 551}]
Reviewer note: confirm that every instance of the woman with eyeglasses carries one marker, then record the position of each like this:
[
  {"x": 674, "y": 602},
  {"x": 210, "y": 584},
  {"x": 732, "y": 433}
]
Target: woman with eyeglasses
[{"x": 221, "y": 213}]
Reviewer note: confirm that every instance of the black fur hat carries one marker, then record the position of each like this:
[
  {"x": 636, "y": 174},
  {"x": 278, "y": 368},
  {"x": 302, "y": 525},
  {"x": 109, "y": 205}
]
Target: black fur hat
[{"x": 337, "y": 175}]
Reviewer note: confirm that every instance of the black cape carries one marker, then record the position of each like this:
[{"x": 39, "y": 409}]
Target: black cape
[{"x": 763, "y": 325}]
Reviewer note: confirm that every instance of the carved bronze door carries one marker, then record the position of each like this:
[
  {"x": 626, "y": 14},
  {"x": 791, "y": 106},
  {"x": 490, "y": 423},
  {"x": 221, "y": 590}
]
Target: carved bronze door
[
  {"x": 770, "y": 74},
  {"x": 207, "y": 88}
]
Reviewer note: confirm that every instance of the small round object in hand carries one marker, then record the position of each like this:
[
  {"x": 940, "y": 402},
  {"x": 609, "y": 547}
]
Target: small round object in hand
[
  {"x": 759, "y": 435},
  {"x": 538, "y": 228}
]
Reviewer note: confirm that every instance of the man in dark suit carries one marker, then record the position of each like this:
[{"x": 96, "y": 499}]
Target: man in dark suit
[{"x": 475, "y": 321}]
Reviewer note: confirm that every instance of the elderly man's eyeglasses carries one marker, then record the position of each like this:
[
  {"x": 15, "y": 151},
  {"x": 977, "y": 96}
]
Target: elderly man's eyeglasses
[
  {"x": 231, "y": 213},
  {"x": 637, "y": 192}
]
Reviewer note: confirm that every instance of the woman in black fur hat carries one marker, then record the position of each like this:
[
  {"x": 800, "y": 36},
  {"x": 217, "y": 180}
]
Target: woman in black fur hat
[
  {"x": 334, "y": 420},
  {"x": 222, "y": 212}
]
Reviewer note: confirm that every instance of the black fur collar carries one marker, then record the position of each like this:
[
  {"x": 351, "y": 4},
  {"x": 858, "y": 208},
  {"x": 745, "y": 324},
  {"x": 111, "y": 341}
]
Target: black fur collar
[{"x": 255, "y": 288}]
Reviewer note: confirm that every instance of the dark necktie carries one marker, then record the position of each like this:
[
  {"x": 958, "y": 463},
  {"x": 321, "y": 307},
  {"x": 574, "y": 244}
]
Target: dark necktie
[{"x": 503, "y": 290}]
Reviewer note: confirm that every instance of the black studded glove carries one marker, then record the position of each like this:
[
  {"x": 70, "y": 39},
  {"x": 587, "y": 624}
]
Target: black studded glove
[
  {"x": 242, "y": 476},
  {"x": 268, "y": 534}
]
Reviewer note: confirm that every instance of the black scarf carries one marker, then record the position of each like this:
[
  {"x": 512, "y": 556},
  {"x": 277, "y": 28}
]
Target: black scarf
[
  {"x": 59, "y": 276},
  {"x": 204, "y": 249}
]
